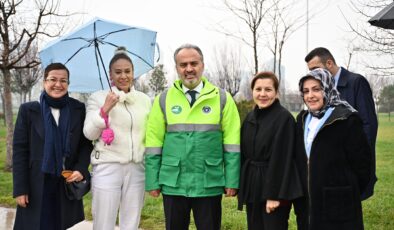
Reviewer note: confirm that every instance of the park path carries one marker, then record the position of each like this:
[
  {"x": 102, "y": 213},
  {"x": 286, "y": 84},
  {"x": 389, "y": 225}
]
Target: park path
[{"x": 7, "y": 216}]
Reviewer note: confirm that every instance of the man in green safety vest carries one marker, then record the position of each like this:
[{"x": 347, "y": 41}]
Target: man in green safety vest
[{"x": 192, "y": 146}]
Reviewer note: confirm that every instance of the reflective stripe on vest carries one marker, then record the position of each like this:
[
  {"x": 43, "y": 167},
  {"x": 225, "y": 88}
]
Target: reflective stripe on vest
[
  {"x": 231, "y": 148},
  {"x": 192, "y": 127},
  {"x": 153, "y": 150}
]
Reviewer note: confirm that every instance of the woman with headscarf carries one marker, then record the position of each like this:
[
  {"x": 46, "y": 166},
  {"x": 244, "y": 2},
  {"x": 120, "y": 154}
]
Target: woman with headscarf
[
  {"x": 333, "y": 157},
  {"x": 48, "y": 139},
  {"x": 116, "y": 122}
]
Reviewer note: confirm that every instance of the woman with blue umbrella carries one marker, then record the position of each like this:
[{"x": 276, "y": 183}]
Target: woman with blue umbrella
[{"x": 115, "y": 121}]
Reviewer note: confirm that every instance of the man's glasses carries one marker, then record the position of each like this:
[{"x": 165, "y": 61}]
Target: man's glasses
[{"x": 53, "y": 81}]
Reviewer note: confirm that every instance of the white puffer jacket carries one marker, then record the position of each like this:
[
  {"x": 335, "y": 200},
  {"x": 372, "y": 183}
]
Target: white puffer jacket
[{"x": 128, "y": 121}]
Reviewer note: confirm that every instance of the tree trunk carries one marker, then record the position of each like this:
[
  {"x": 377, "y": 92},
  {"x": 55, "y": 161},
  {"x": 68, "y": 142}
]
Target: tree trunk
[
  {"x": 282, "y": 82},
  {"x": 3, "y": 106},
  {"x": 24, "y": 97},
  {"x": 8, "y": 118},
  {"x": 256, "y": 61}
]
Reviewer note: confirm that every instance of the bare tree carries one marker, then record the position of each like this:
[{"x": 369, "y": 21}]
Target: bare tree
[
  {"x": 251, "y": 13},
  {"x": 2, "y": 116},
  {"x": 374, "y": 40},
  {"x": 283, "y": 21},
  {"x": 24, "y": 79},
  {"x": 21, "y": 24},
  {"x": 377, "y": 83},
  {"x": 227, "y": 68}
]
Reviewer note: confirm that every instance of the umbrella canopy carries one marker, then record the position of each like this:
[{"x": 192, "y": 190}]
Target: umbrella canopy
[
  {"x": 88, "y": 50},
  {"x": 385, "y": 18}
]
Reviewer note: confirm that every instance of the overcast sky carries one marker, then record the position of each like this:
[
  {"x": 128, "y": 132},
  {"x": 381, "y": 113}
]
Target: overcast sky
[{"x": 192, "y": 21}]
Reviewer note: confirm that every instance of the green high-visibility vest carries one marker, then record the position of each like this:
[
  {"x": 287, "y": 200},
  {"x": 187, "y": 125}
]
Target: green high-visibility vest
[{"x": 193, "y": 151}]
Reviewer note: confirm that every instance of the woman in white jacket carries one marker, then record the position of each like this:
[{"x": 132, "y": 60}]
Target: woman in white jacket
[{"x": 118, "y": 171}]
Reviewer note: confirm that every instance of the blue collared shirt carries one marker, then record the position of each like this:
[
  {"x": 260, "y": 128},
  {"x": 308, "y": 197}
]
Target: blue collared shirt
[
  {"x": 308, "y": 143},
  {"x": 336, "y": 76}
]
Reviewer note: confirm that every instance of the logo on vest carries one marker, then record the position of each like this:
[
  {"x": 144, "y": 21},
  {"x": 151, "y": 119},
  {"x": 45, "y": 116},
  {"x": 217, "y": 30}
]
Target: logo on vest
[
  {"x": 176, "y": 109},
  {"x": 206, "y": 109}
]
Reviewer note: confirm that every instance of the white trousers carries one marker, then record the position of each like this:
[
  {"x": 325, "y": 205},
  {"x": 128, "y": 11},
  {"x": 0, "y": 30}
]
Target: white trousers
[{"x": 117, "y": 187}]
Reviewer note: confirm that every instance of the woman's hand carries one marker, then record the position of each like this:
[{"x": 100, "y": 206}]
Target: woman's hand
[
  {"x": 110, "y": 102},
  {"x": 271, "y": 205},
  {"x": 22, "y": 200},
  {"x": 75, "y": 176}
]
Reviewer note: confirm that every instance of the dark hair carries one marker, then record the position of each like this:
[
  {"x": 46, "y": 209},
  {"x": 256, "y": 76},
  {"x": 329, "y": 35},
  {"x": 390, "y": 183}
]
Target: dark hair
[
  {"x": 189, "y": 46},
  {"x": 55, "y": 66},
  {"x": 323, "y": 53},
  {"x": 266, "y": 75},
  {"x": 120, "y": 53}
]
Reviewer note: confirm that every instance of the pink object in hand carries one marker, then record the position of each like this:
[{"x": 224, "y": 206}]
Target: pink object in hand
[{"x": 107, "y": 135}]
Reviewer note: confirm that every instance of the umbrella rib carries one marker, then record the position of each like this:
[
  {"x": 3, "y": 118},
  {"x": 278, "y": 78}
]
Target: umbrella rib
[
  {"x": 76, "y": 38},
  {"x": 84, "y": 47},
  {"x": 134, "y": 54},
  {"x": 116, "y": 31},
  {"x": 97, "y": 49},
  {"x": 98, "y": 68}
]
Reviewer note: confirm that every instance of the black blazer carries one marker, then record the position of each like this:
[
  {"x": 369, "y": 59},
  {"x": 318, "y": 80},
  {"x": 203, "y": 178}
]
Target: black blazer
[
  {"x": 355, "y": 89},
  {"x": 28, "y": 148}
]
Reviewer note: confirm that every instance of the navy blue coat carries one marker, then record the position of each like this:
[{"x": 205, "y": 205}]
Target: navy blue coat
[
  {"x": 27, "y": 160},
  {"x": 355, "y": 89}
]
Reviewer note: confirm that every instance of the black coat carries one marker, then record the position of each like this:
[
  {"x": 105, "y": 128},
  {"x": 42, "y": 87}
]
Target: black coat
[
  {"x": 27, "y": 160},
  {"x": 267, "y": 155},
  {"x": 355, "y": 89},
  {"x": 338, "y": 171}
]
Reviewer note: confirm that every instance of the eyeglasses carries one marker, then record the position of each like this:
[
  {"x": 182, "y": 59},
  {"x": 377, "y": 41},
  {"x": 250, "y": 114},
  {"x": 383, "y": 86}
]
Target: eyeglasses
[{"x": 53, "y": 81}]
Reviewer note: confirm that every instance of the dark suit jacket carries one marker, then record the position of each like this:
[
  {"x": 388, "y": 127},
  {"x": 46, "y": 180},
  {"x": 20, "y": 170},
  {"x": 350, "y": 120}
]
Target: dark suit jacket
[
  {"x": 355, "y": 89},
  {"x": 27, "y": 160}
]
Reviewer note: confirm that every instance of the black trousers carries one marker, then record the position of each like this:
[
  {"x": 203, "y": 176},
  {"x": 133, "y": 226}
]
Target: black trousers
[
  {"x": 259, "y": 219},
  {"x": 207, "y": 212}
]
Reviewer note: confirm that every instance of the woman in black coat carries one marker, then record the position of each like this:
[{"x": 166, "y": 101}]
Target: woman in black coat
[
  {"x": 333, "y": 158},
  {"x": 269, "y": 178},
  {"x": 47, "y": 139}
]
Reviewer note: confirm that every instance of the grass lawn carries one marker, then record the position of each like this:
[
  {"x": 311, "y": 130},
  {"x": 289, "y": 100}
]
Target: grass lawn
[{"x": 378, "y": 210}]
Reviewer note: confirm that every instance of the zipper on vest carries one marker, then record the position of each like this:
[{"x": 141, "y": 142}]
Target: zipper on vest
[{"x": 131, "y": 129}]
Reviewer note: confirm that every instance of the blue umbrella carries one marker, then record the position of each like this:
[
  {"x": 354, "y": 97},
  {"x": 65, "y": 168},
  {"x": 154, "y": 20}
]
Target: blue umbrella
[{"x": 88, "y": 50}]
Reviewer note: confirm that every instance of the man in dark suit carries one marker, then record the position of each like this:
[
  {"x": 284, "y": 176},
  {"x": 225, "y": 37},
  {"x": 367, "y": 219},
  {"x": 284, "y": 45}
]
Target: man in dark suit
[{"x": 354, "y": 89}]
